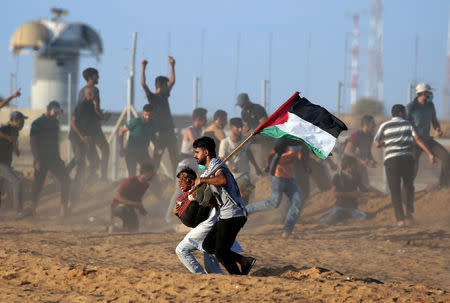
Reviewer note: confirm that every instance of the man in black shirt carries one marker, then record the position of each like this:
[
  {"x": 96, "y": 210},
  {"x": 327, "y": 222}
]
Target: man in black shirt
[
  {"x": 81, "y": 135},
  {"x": 163, "y": 117},
  {"x": 347, "y": 188},
  {"x": 252, "y": 114},
  {"x": 44, "y": 141},
  {"x": 97, "y": 136},
  {"x": 9, "y": 135}
]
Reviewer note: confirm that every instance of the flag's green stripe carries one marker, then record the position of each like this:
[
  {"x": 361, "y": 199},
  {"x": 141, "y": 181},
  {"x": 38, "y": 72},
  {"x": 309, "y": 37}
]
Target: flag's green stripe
[{"x": 273, "y": 131}]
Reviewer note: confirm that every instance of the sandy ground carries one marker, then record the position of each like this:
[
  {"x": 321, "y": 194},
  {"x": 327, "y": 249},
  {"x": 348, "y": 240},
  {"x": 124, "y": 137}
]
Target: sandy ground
[{"x": 48, "y": 259}]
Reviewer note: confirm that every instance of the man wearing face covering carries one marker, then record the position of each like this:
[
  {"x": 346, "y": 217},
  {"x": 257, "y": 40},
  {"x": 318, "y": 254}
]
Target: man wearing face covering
[
  {"x": 422, "y": 114},
  {"x": 9, "y": 135}
]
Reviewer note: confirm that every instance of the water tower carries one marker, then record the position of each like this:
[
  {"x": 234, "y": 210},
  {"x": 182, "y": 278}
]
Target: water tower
[{"x": 57, "y": 46}]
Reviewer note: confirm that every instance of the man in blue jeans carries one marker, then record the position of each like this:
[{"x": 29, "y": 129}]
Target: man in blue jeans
[{"x": 283, "y": 182}]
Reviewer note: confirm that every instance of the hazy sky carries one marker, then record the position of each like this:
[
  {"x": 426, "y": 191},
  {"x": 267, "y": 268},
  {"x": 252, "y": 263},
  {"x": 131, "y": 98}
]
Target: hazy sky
[{"x": 290, "y": 22}]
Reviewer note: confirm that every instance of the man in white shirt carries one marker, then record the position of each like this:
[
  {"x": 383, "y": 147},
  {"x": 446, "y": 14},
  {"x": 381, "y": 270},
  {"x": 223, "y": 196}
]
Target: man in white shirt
[{"x": 239, "y": 163}]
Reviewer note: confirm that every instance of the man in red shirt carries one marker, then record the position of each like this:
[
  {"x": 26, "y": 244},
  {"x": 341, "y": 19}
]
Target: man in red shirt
[{"x": 128, "y": 199}]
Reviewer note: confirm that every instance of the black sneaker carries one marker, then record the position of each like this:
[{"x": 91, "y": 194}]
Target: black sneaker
[{"x": 247, "y": 266}]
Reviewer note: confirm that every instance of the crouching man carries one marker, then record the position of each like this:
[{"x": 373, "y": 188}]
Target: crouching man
[{"x": 128, "y": 199}]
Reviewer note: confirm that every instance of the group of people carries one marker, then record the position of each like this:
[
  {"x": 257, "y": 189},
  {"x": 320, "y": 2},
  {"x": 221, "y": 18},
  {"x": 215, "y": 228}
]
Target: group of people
[{"x": 209, "y": 196}]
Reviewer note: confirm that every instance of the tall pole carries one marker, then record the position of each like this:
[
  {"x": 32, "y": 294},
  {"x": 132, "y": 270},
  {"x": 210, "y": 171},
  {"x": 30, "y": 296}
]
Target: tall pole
[
  {"x": 263, "y": 93},
  {"x": 69, "y": 113},
  {"x": 338, "y": 100},
  {"x": 195, "y": 95},
  {"x": 269, "y": 76},
  {"x": 355, "y": 58},
  {"x": 446, "y": 91},
  {"x": 345, "y": 84},
  {"x": 416, "y": 59},
  {"x": 238, "y": 54},
  {"x": 202, "y": 55},
  {"x": 308, "y": 59}
]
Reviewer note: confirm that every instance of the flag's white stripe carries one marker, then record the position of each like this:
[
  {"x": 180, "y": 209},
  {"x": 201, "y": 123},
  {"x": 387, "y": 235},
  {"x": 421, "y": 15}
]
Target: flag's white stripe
[{"x": 307, "y": 131}]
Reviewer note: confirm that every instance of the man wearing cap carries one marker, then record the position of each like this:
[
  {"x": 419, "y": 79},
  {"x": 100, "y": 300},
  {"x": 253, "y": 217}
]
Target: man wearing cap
[
  {"x": 252, "y": 114},
  {"x": 9, "y": 135},
  {"x": 44, "y": 142},
  {"x": 422, "y": 114}
]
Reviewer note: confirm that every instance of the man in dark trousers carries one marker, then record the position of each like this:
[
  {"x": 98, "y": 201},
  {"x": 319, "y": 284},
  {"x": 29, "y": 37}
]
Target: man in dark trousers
[
  {"x": 422, "y": 114},
  {"x": 81, "y": 135},
  {"x": 398, "y": 136},
  {"x": 44, "y": 141},
  {"x": 97, "y": 137},
  {"x": 9, "y": 135},
  {"x": 128, "y": 199},
  {"x": 233, "y": 213},
  {"x": 163, "y": 117},
  {"x": 142, "y": 131}
]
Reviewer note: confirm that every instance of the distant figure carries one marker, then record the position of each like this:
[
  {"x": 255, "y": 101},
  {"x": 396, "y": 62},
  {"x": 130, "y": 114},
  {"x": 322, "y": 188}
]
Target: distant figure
[
  {"x": 193, "y": 132},
  {"x": 163, "y": 117},
  {"x": 347, "y": 188},
  {"x": 239, "y": 163},
  {"x": 44, "y": 142},
  {"x": 397, "y": 136},
  {"x": 81, "y": 136},
  {"x": 283, "y": 183},
  {"x": 128, "y": 199},
  {"x": 232, "y": 211},
  {"x": 359, "y": 146},
  {"x": 252, "y": 114},
  {"x": 9, "y": 144},
  {"x": 422, "y": 114},
  {"x": 98, "y": 137},
  {"x": 5, "y": 101},
  {"x": 215, "y": 129},
  {"x": 142, "y": 130}
]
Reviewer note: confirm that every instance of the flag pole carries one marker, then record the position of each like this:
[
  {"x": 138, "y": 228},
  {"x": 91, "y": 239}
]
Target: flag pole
[{"x": 272, "y": 118}]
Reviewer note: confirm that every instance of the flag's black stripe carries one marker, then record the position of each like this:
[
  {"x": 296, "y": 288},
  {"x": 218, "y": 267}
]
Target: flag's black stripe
[{"x": 318, "y": 116}]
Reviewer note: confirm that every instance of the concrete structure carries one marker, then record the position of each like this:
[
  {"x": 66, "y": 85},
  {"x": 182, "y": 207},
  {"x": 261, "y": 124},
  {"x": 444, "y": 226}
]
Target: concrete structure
[{"x": 57, "y": 46}]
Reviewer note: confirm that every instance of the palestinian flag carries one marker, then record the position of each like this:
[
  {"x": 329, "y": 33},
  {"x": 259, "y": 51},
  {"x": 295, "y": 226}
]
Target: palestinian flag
[{"x": 302, "y": 120}]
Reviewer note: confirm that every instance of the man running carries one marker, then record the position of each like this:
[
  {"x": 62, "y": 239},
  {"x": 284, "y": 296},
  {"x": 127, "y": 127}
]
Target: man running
[
  {"x": 398, "y": 136},
  {"x": 44, "y": 142},
  {"x": 233, "y": 213}
]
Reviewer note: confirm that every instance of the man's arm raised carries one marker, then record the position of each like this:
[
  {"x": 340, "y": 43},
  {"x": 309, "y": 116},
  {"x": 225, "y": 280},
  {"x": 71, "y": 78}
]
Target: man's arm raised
[
  {"x": 143, "y": 79},
  {"x": 172, "y": 73}
]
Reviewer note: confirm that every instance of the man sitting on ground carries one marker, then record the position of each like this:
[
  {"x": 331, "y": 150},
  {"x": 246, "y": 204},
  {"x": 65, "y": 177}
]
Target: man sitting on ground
[
  {"x": 128, "y": 199},
  {"x": 347, "y": 188}
]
